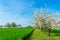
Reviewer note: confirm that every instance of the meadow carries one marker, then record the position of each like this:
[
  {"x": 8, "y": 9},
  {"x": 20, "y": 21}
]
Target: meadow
[
  {"x": 28, "y": 34},
  {"x": 14, "y": 33},
  {"x": 39, "y": 35}
]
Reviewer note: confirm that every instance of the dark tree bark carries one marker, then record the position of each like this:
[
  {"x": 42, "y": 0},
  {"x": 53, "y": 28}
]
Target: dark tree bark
[{"x": 49, "y": 30}]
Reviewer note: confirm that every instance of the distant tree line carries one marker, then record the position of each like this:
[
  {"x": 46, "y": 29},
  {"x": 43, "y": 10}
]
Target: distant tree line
[{"x": 11, "y": 25}]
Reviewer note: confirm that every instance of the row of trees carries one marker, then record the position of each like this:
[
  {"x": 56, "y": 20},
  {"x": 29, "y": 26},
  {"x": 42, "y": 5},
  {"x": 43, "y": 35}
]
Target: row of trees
[
  {"x": 45, "y": 20},
  {"x": 11, "y": 25}
]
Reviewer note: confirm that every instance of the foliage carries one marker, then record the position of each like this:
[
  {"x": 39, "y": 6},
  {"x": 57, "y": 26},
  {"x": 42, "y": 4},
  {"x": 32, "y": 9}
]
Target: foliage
[
  {"x": 11, "y": 25},
  {"x": 7, "y": 25},
  {"x": 19, "y": 25}
]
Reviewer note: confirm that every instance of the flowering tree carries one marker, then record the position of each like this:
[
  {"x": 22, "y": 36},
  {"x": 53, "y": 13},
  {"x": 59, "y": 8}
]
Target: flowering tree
[{"x": 44, "y": 20}]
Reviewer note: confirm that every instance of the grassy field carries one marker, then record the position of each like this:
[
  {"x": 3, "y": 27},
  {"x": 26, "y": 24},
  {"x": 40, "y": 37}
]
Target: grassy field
[
  {"x": 39, "y": 35},
  {"x": 14, "y": 33},
  {"x": 21, "y": 33}
]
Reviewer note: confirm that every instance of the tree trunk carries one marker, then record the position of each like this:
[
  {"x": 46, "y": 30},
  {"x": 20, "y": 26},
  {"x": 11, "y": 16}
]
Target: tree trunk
[{"x": 49, "y": 30}]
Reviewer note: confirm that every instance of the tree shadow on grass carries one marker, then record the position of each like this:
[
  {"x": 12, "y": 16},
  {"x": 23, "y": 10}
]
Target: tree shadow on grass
[
  {"x": 27, "y": 37},
  {"x": 56, "y": 32}
]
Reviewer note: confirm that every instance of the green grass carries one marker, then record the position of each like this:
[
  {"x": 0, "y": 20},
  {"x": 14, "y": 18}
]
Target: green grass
[
  {"x": 20, "y": 33},
  {"x": 56, "y": 32},
  {"x": 39, "y": 35},
  {"x": 14, "y": 33}
]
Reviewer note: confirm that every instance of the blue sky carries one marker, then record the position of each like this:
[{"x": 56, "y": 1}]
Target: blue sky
[{"x": 21, "y": 11}]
